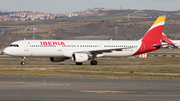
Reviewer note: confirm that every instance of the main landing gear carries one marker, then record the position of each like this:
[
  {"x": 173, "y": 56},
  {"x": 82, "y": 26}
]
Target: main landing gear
[
  {"x": 94, "y": 62},
  {"x": 79, "y": 63},
  {"x": 23, "y": 61}
]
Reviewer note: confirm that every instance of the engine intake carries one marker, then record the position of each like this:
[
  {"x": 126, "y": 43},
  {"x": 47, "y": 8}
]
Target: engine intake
[{"x": 80, "y": 57}]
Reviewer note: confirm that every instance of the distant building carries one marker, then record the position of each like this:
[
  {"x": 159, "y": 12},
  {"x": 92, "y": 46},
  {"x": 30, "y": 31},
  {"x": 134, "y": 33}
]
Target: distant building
[
  {"x": 75, "y": 14},
  {"x": 89, "y": 10},
  {"x": 102, "y": 9},
  {"x": 96, "y": 9},
  {"x": 27, "y": 15},
  {"x": 114, "y": 9},
  {"x": 58, "y": 15},
  {"x": 26, "y": 29},
  {"x": 108, "y": 9},
  {"x": 42, "y": 18},
  {"x": 123, "y": 9}
]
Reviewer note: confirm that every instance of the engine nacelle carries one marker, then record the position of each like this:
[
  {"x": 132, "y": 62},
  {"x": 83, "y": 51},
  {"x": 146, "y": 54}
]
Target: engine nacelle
[
  {"x": 80, "y": 57},
  {"x": 58, "y": 59}
]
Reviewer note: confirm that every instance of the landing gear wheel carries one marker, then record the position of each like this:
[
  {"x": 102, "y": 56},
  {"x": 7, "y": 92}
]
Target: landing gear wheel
[
  {"x": 79, "y": 63},
  {"x": 94, "y": 62},
  {"x": 23, "y": 63}
]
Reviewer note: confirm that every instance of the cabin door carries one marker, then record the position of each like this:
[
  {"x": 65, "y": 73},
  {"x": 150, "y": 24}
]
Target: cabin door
[
  {"x": 100, "y": 46},
  {"x": 26, "y": 46}
]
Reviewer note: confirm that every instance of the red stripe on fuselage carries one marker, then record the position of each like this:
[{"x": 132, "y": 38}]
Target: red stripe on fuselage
[
  {"x": 152, "y": 37},
  {"x": 146, "y": 47}
]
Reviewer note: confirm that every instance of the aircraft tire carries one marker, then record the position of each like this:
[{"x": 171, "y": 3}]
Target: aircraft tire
[
  {"x": 94, "y": 62},
  {"x": 22, "y": 63},
  {"x": 79, "y": 63}
]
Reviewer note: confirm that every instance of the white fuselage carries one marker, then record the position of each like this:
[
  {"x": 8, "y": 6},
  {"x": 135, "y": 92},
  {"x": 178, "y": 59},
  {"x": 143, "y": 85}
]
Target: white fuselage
[
  {"x": 65, "y": 48},
  {"x": 176, "y": 43}
]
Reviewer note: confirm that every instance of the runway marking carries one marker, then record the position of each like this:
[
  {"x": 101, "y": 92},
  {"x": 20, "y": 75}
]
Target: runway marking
[
  {"x": 31, "y": 84},
  {"x": 112, "y": 92}
]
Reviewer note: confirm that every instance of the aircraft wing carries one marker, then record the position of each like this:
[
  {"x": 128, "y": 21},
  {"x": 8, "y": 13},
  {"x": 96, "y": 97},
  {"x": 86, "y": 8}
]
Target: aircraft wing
[{"x": 100, "y": 51}]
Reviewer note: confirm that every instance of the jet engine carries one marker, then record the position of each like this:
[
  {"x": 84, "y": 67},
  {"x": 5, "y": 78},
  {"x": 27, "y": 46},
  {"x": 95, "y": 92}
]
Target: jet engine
[
  {"x": 80, "y": 57},
  {"x": 58, "y": 59}
]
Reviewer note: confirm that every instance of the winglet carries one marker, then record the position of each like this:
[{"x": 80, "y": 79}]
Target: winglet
[{"x": 155, "y": 32}]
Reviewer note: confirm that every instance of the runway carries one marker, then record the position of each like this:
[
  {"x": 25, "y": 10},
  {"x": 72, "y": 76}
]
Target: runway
[
  {"x": 5, "y": 56},
  {"x": 88, "y": 89}
]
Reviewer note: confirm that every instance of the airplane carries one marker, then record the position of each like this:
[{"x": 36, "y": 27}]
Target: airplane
[
  {"x": 84, "y": 50},
  {"x": 175, "y": 44}
]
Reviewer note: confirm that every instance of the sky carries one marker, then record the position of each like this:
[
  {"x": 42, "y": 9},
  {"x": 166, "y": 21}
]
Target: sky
[{"x": 69, "y": 6}]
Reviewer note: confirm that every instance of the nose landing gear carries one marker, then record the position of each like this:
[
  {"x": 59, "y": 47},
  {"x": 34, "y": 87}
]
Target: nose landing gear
[
  {"x": 23, "y": 61},
  {"x": 79, "y": 63}
]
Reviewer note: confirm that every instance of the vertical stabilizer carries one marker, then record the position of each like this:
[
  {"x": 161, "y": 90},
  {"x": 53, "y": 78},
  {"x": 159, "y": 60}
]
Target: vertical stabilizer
[
  {"x": 152, "y": 39},
  {"x": 155, "y": 32}
]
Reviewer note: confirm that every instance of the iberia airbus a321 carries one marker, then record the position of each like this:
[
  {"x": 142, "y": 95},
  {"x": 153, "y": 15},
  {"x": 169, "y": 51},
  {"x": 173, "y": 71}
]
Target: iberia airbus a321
[{"x": 84, "y": 50}]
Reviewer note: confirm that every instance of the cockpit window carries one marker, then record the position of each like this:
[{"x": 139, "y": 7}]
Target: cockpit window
[{"x": 14, "y": 45}]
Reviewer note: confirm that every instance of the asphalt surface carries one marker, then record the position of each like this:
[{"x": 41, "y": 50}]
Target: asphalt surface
[
  {"x": 6, "y": 56},
  {"x": 86, "y": 89}
]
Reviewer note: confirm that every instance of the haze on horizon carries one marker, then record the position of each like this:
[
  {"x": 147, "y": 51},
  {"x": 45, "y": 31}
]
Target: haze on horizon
[{"x": 68, "y": 6}]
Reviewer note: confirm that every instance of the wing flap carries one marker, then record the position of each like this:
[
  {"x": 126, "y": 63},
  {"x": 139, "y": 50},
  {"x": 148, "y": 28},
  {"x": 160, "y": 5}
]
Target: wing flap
[{"x": 100, "y": 51}]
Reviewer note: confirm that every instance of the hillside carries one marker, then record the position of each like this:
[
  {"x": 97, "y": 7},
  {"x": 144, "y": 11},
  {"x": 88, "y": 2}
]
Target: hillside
[{"x": 97, "y": 27}]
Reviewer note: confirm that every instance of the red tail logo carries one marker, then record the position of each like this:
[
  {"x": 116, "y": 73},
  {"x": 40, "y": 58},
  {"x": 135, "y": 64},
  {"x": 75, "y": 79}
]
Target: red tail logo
[{"x": 152, "y": 37}]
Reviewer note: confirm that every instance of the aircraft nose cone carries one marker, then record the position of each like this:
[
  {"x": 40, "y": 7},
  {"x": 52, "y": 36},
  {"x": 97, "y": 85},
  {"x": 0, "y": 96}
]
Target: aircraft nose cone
[{"x": 7, "y": 51}]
